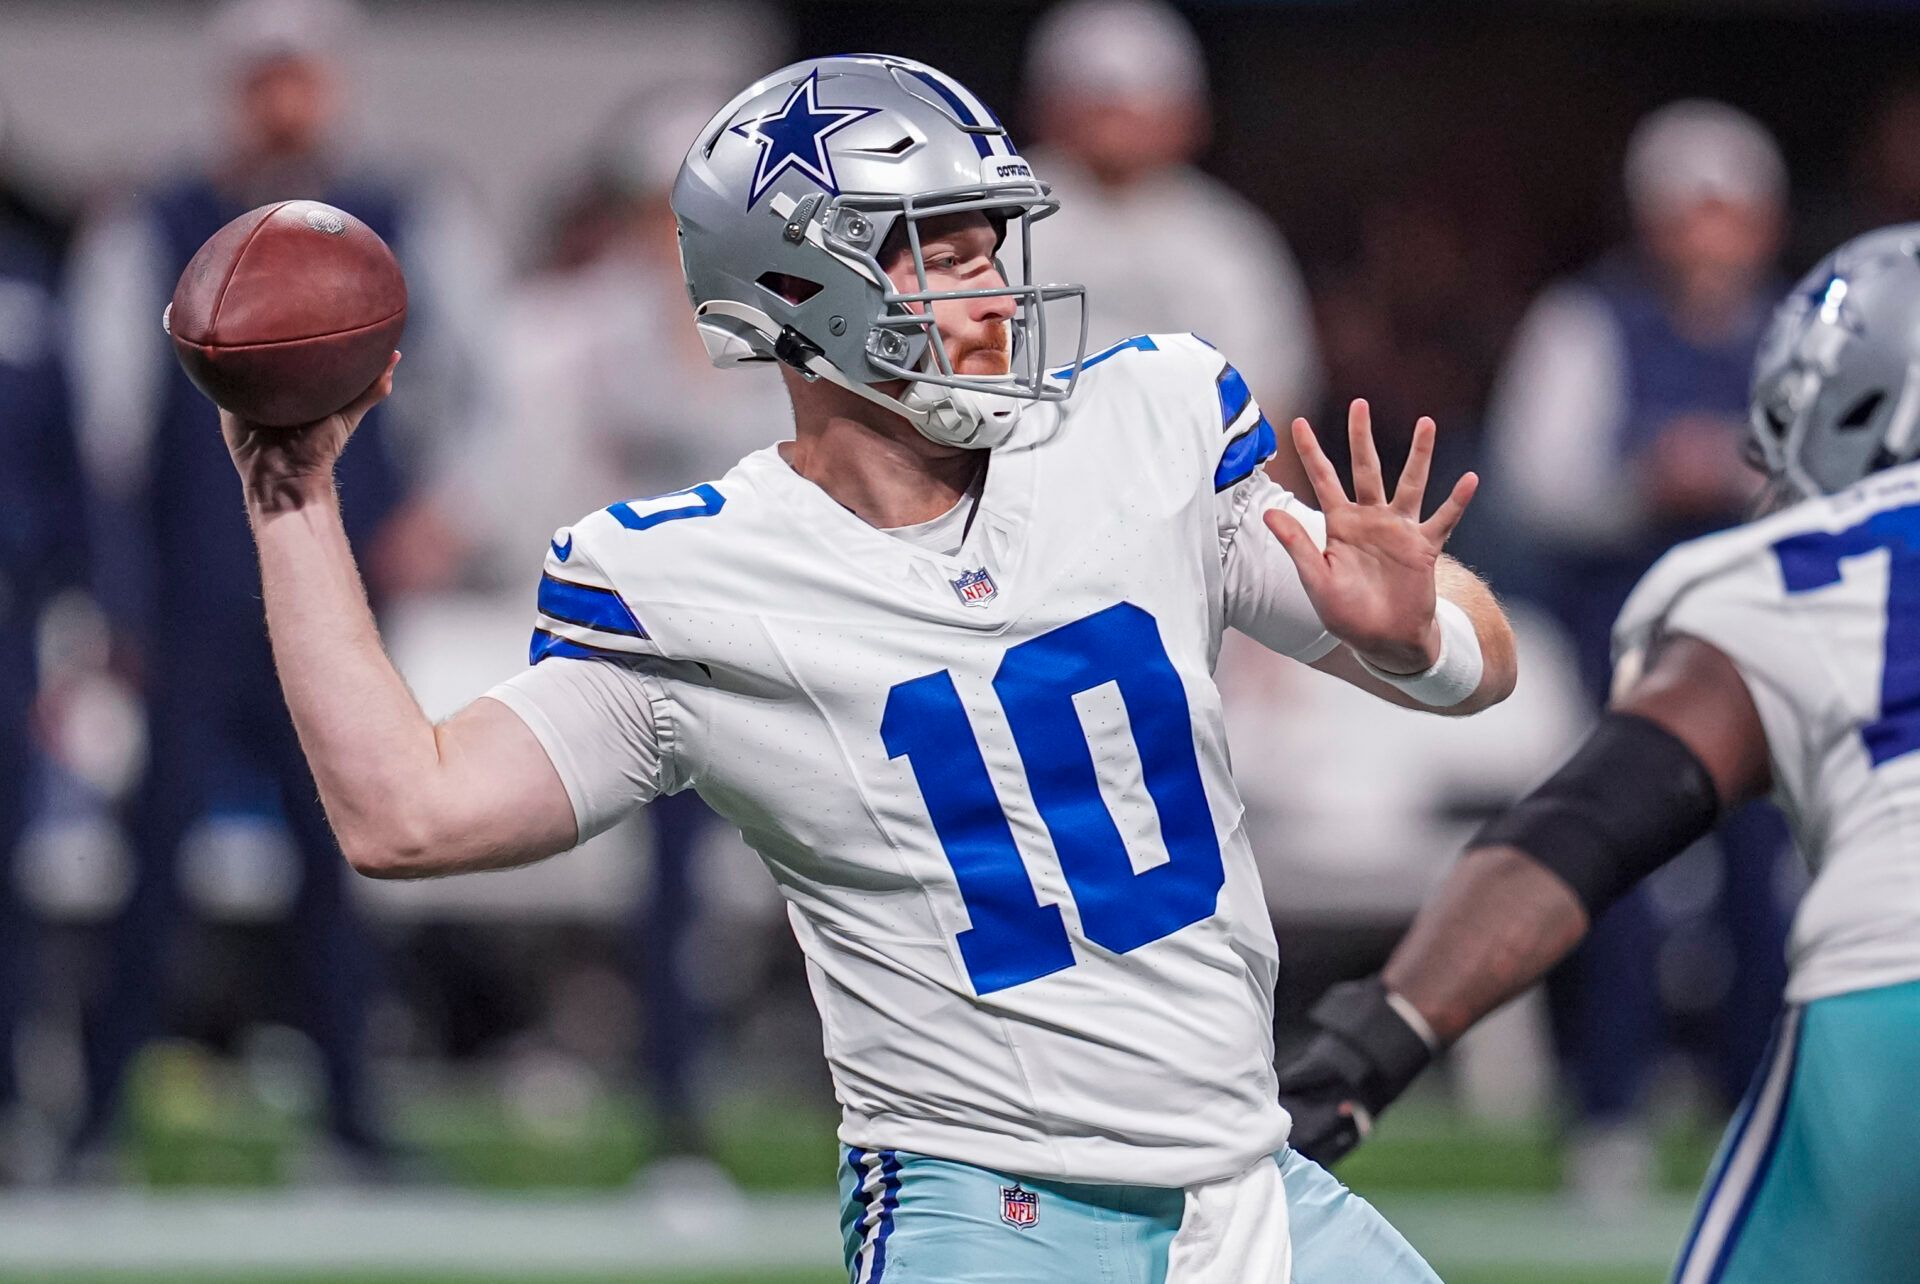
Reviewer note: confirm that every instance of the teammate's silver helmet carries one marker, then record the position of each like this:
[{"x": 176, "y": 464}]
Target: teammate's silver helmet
[
  {"x": 791, "y": 193},
  {"x": 1836, "y": 385}
]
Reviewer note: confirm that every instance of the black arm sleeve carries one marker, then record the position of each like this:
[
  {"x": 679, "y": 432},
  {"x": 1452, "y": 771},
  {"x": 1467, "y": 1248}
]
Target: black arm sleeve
[{"x": 1630, "y": 800}]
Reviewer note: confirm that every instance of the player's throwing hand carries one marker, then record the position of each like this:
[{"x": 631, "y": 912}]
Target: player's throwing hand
[
  {"x": 1373, "y": 584},
  {"x": 276, "y": 463}
]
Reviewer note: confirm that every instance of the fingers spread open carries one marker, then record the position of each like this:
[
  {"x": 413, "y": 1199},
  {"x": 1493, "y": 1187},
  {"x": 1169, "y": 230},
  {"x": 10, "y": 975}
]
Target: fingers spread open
[
  {"x": 1369, "y": 486},
  {"x": 1412, "y": 486},
  {"x": 1448, "y": 515},
  {"x": 1326, "y": 482}
]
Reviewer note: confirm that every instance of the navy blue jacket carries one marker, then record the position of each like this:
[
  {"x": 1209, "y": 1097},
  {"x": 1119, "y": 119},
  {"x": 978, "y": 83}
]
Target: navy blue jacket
[{"x": 43, "y": 526}]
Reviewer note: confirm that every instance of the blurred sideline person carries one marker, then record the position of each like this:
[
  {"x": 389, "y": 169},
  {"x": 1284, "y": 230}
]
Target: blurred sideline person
[
  {"x": 43, "y": 543},
  {"x": 868, "y": 647},
  {"x": 176, "y": 575},
  {"x": 597, "y": 391},
  {"x": 1881, "y": 183},
  {"x": 1117, "y": 92},
  {"x": 602, "y": 392},
  {"x": 1777, "y": 658},
  {"x": 1616, "y": 432}
]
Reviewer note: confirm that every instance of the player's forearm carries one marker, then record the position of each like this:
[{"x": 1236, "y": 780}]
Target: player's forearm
[
  {"x": 372, "y": 750},
  {"x": 1497, "y": 926},
  {"x": 1499, "y": 664}
]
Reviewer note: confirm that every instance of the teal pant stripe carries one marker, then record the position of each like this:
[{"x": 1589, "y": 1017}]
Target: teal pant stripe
[
  {"x": 869, "y": 1263},
  {"x": 1730, "y": 1146},
  {"x": 1820, "y": 1183},
  {"x": 1790, "y": 1038}
]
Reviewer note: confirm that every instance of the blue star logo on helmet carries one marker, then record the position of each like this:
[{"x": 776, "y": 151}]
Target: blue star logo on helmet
[{"x": 795, "y": 137}]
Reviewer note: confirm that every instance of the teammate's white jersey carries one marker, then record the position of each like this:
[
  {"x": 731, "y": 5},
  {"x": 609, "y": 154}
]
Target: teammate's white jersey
[
  {"x": 994, "y": 786},
  {"x": 1819, "y": 607}
]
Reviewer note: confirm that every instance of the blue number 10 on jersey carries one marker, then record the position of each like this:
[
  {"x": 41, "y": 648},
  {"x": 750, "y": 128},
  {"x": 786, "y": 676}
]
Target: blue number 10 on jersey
[{"x": 1015, "y": 939}]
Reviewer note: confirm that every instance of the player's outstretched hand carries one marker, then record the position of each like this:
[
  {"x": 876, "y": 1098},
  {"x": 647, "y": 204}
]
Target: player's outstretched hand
[
  {"x": 277, "y": 464},
  {"x": 1373, "y": 584}
]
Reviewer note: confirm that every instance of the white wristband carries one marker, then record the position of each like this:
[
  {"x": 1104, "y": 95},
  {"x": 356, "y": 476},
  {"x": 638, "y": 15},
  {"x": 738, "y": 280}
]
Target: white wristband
[
  {"x": 1416, "y": 1021},
  {"x": 1455, "y": 672}
]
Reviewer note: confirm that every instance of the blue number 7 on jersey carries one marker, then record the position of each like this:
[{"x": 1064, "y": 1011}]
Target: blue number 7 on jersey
[
  {"x": 1015, "y": 939},
  {"x": 1812, "y": 560}
]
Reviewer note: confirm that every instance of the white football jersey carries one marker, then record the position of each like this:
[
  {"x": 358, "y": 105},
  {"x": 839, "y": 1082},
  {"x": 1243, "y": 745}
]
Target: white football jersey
[
  {"x": 993, "y": 787},
  {"x": 1819, "y": 607}
]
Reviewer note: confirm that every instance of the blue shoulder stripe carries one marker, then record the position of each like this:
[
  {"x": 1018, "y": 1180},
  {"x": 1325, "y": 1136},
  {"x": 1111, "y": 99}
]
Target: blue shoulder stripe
[
  {"x": 547, "y": 645},
  {"x": 1138, "y": 343},
  {"x": 1245, "y": 453},
  {"x": 590, "y": 608},
  {"x": 1234, "y": 395}
]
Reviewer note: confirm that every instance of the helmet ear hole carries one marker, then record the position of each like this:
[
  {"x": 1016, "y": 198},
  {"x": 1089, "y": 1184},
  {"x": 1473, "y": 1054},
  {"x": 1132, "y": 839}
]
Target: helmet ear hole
[
  {"x": 1861, "y": 411},
  {"x": 794, "y": 289}
]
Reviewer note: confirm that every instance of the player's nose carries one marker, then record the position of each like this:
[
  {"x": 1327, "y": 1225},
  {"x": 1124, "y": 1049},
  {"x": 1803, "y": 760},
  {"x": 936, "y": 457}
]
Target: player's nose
[{"x": 994, "y": 307}]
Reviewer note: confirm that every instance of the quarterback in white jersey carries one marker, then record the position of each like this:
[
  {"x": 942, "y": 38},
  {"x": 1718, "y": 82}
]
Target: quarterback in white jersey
[
  {"x": 1782, "y": 658},
  {"x": 946, "y": 660}
]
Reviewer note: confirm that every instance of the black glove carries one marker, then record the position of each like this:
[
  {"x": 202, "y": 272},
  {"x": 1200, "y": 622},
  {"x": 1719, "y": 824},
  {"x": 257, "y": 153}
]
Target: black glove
[{"x": 1362, "y": 1057}]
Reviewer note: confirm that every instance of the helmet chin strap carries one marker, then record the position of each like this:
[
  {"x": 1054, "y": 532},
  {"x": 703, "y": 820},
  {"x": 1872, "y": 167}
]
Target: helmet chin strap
[{"x": 966, "y": 417}]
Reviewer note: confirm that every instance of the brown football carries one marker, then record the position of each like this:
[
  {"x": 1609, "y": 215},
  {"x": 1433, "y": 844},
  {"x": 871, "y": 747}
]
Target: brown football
[{"x": 288, "y": 313}]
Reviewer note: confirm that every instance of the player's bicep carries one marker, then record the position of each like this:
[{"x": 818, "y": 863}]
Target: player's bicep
[
  {"x": 1691, "y": 689},
  {"x": 500, "y": 798},
  {"x": 599, "y": 725}
]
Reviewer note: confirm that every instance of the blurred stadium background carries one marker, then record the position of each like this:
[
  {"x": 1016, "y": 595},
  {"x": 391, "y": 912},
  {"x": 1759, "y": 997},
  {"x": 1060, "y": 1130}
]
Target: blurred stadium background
[{"x": 224, "y": 1060}]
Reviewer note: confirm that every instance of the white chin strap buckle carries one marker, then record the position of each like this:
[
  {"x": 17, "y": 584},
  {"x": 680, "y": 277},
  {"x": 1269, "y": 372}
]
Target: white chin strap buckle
[{"x": 962, "y": 416}]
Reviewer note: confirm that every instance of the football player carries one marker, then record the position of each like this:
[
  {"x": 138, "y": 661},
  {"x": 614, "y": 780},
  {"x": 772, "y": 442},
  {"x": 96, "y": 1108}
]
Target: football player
[
  {"x": 1781, "y": 657},
  {"x": 945, "y": 659}
]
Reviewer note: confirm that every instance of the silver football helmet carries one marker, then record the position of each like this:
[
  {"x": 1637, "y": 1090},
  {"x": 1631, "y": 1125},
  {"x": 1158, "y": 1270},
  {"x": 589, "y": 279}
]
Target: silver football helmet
[
  {"x": 793, "y": 191},
  {"x": 1836, "y": 384}
]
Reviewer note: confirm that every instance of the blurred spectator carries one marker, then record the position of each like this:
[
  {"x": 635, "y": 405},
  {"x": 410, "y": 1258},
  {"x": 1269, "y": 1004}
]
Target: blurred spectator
[
  {"x": 25, "y": 211},
  {"x": 603, "y": 392},
  {"x": 1882, "y": 182},
  {"x": 1616, "y": 432},
  {"x": 1117, "y": 92},
  {"x": 598, "y": 386},
  {"x": 178, "y": 572},
  {"x": 42, "y": 550}
]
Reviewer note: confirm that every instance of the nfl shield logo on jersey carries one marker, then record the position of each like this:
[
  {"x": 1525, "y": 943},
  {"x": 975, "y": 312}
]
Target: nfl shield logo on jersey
[
  {"x": 975, "y": 588},
  {"x": 1019, "y": 1207}
]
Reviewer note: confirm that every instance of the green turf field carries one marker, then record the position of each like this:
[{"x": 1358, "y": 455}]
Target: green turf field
[
  {"x": 1481, "y": 1200},
  {"x": 196, "y": 1124}
]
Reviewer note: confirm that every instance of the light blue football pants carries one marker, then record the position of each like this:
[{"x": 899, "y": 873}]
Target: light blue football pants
[
  {"x": 909, "y": 1219},
  {"x": 1818, "y": 1177}
]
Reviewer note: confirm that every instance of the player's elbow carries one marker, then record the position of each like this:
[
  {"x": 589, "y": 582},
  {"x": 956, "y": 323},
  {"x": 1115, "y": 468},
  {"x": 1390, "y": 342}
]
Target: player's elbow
[
  {"x": 371, "y": 858},
  {"x": 394, "y": 850}
]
